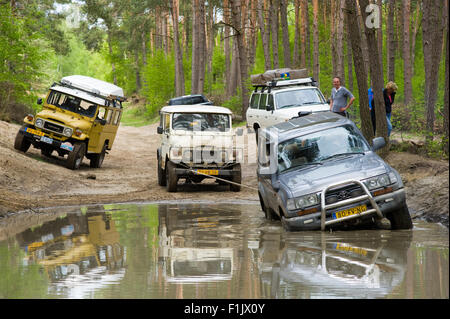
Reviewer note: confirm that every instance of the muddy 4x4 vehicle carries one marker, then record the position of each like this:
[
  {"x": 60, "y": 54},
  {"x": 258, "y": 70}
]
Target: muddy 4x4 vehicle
[
  {"x": 282, "y": 98},
  {"x": 317, "y": 171},
  {"x": 79, "y": 118},
  {"x": 197, "y": 142}
]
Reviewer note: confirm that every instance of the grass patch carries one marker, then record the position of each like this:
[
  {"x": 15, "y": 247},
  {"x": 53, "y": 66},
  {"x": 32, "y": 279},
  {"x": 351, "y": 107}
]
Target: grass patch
[{"x": 136, "y": 117}]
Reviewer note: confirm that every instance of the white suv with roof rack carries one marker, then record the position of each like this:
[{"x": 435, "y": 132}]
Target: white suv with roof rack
[{"x": 278, "y": 101}]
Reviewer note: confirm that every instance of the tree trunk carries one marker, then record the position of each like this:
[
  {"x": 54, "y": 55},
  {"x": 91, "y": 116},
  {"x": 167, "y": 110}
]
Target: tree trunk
[
  {"x": 407, "y": 52},
  {"x": 226, "y": 19},
  {"x": 113, "y": 65},
  {"x": 236, "y": 18},
  {"x": 340, "y": 70},
  {"x": 391, "y": 41},
  {"x": 446, "y": 97},
  {"x": 417, "y": 23},
  {"x": 303, "y": 12},
  {"x": 265, "y": 35},
  {"x": 380, "y": 33},
  {"x": 316, "y": 65},
  {"x": 202, "y": 47},
  {"x": 360, "y": 68},
  {"x": 432, "y": 28},
  {"x": 274, "y": 12},
  {"x": 195, "y": 47},
  {"x": 376, "y": 74},
  {"x": 284, "y": 27},
  {"x": 179, "y": 73},
  {"x": 295, "y": 59}
]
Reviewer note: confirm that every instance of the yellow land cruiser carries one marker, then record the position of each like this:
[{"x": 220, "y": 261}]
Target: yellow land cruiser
[{"x": 79, "y": 118}]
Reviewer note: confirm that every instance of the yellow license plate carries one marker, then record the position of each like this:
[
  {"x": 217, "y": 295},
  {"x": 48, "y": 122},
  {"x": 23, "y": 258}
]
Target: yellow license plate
[
  {"x": 35, "y": 132},
  {"x": 207, "y": 171},
  {"x": 349, "y": 212}
]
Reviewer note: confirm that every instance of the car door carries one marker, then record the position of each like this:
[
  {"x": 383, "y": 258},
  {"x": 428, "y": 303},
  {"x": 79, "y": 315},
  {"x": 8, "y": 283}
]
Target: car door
[
  {"x": 101, "y": 134},
  {"x": 269, "y": 194},
  {"x": 165, "y": 124},
  {"x": 253, "y": 109}
]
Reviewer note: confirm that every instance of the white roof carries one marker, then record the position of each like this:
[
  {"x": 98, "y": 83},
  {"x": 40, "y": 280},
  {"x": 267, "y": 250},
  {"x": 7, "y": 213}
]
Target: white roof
[
  {"x": 195, "y": 109},
  {"x": 93, "y": 85},
  {"x": 80, "y": 94}
]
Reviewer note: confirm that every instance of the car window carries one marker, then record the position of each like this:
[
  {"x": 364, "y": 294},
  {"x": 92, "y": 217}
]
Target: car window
[
  {"x": 101, "y": 113},
  {"x": 270, "y": 100},
  {"x": 72, "y": 104},
  {"x": 116, "y": 118},
  {"x": 299, "y": 98},
  {"x": 254, "y": 102},
  {"x": 166, "y": 121},
  {"x": 197, "y": 99},
  {"x": 109, "y": 116},
  {"x": 263, "y": 101},
  {"x": 201, "y": 122},
  {"x": 315, "y": 147}
]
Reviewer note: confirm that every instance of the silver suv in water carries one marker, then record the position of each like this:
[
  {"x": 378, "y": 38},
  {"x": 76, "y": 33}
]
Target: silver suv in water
[{"x": 317, "y": 171}]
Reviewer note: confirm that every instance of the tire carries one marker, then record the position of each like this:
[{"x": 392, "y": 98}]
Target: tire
[
  {"x": 75, "y": 157},
  {"x": 171, "y": 177},
  {"x": 161, "y": 174},
  {"x": 400, "y": 219},
  {"x": 21, "y": 143},
  {"x": 97, "y": 159},
  {"x": 263, "y": 207},
  {"x": 236, "y": 178}
]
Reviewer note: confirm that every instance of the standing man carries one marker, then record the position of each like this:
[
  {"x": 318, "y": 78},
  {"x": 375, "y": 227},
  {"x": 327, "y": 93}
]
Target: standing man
[{"x": 339, "y": 97}]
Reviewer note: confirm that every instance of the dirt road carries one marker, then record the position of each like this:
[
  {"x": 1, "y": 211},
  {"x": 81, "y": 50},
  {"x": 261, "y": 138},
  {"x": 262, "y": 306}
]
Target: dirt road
[{"x": 31, "y": 181}]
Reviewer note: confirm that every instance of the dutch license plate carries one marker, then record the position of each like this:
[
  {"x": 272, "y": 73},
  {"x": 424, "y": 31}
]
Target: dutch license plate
[
  {"x": 46, "y": 140},
  {"x": 349, "y": 212},
  {"x": 35, "y": 132},
  {"x": 207, "y": 171}
]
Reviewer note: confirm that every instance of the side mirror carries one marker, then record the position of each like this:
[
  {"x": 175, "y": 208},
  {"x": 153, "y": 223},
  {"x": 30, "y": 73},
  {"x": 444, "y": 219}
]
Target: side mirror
[
  {"x": 159, "y": 130},
  {"x": 240, "y": 132},
  {"x": 328, "y": 101},
  {"x": 378, "y": 143},
  {"x": 269, "y": 107},
  {"x": 39, "y": 101}
]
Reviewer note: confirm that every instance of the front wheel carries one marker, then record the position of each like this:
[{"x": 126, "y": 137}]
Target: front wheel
[
  {"x": 21, "y": 143},
  {"x": 236, "y": 178},
  {"x": 171, "y": 177},
  {"x": 161, "y": 173},
  {"x": 76, "y": 156},
  {"x": 400, "y": 219},
  {"x": 97, "y": 159}
]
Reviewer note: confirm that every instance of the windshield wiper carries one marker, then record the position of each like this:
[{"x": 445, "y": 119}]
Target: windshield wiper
[
  {"x": 342, "y": 154},
  {"x": 301, "y": 165},
  {"x": 310, "y": 103}
]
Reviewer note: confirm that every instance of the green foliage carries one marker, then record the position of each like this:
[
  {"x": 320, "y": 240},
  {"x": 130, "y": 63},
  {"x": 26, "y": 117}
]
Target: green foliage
[{"x": 160, "y": 78}]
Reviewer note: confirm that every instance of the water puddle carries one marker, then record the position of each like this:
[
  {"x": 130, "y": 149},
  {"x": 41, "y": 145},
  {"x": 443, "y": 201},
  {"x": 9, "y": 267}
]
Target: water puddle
[{"x": 216, "y": 250}]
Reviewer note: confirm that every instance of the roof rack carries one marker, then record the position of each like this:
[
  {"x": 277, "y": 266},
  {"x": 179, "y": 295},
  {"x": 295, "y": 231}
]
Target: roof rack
[{"x": 281, "y": 83}]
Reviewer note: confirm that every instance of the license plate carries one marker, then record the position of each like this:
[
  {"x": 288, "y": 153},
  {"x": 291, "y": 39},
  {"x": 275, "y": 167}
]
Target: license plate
[
  {"x": 46, "y": 140},
  {"x": 349, "y": 212},
  {"x": 35, "y": 132},
  {"x": 207, "y": 171}
]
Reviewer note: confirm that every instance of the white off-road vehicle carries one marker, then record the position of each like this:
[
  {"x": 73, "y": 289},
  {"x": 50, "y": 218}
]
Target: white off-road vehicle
[
  {"x": 281, "y": 100},
  {"x": 198, "y": 142}
]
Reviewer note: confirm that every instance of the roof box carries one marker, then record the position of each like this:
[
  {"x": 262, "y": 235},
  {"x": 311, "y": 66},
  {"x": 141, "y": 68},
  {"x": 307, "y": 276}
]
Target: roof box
[
  {"x": 278, "y": 75},
  {"x": 94, "y": 86}
]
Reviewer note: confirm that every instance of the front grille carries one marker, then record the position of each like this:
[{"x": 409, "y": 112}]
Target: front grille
[
  {"x": 53, "y": 127},
  {"x": 343, "y": 193}
]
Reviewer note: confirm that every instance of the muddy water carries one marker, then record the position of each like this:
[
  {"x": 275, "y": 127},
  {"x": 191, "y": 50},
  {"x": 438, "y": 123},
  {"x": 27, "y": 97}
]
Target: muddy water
[{"x": 214, "y": 250}]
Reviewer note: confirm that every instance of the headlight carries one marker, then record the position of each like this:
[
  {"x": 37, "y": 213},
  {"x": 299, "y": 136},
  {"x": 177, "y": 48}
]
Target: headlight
[
  {"x": 68, "y": 132},
  {"x": 377, "y": 182},
  {"x": 303, "y": 202},
  {"x": 39, "y": 123},
  {"x": 176, "y": 152}
]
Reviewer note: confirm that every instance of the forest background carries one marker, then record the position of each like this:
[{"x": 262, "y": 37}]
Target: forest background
[{"x": 157, "y": 50}]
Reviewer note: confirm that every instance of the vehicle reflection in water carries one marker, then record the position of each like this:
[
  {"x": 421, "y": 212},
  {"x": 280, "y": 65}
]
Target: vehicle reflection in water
[
  {"x": 324, "y": 265},
  {"x": 190, "y": 245},
  {"x": 80, "y": 249}
]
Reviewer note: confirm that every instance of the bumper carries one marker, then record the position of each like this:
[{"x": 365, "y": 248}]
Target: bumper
[
  {"x": 387, "y": 203},
  {"x": 39, "y": 141},
  {"x": 188, "y": 172}
]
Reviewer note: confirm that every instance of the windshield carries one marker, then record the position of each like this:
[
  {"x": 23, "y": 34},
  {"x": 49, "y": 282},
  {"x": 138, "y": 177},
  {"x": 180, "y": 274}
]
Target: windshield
[
  {"x": 72, "y": 104},
  {"x": 317, "y": 147},
  {"x": 299, "y": 98},
  {"x": 201, "y": 122}
]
